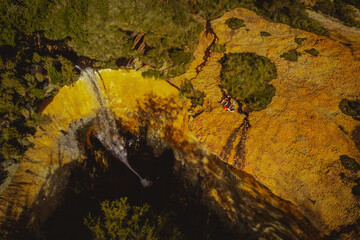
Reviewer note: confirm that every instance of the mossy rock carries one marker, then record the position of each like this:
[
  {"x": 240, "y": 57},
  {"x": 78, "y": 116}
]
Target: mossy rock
[
  {"x": 246, "y": 77},
  {"x": 219, "y": 48},
  {"x": 299, "y": 41},
  {"x": 350, "y": 107},
  {"x": 313, "y": 52},
  {"x": 265, "y": 34},
  {"x": 349, "y": 163},
  {"x": 291, "y": 55},
  {"x": 235, "y": 23}
]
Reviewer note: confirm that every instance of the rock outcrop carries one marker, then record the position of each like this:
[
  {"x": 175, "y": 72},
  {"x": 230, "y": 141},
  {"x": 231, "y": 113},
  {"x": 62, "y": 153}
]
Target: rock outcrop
[{"x": 293, "y": 146}]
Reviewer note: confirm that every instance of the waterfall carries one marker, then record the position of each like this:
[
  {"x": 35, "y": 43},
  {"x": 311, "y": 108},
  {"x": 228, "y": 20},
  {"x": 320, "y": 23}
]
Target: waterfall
[{"x": 106, "y": 128}]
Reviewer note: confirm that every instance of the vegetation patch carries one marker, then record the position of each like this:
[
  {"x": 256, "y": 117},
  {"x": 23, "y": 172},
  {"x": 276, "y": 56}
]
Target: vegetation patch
[
  {"x": 356, "y": 190},
  {"x": 265, "y": 34},
  {"x": 120, "y": 220},
  {"x": 27, "y": 79},
  {"x": 313, "y": 52},
  {"x": 187, "y": 90},
  {"x": 246, "y": 77},
  {"x": 355, "y": 136},
  {"x": 291, "y": 55},
  {"x": 152, "y": 73},
  {"x": 219, "y": 48},
  {"x": 349, "y": 163},
  {"x": 339, "y": 9},
  {"x": 350, "y": 107},
  {"x": 235, "y": 23},
  {"x": 290, "y": 12},
  {"x": 299, "y": 41}
]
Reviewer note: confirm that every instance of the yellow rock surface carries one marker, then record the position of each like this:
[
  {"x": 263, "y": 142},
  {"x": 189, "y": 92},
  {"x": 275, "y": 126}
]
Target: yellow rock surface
[{"x": 293, "y": 146}]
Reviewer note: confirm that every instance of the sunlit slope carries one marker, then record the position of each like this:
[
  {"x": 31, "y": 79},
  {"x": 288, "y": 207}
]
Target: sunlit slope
[{"x": 294, "y": 145}]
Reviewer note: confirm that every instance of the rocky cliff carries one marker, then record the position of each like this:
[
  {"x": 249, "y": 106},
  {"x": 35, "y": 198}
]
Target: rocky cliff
[{"x": 292, "y": 148}]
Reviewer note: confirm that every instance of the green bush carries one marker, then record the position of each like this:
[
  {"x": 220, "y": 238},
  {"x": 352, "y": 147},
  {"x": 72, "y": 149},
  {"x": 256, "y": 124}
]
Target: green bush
[
  {"x": 152, "y": 73},
  {"x": 187, "y": 90},
  {"x": 349, "y": 163},
  {"x": 313, "y": 52},
  {"x": 291, "y": 55},
  {"x": 179, "y": 57},
  {"x": 356, "y": 190},
  {"x": 299, "y": 41},
  {"x": 22, "y": 92},
  {"x": 219, "y": 48},
  {"x": 350, "y": 107},
  {"x": 120, "y": 220},
  {"x": 235, "y": 23},
  {"x": 246, "y": 77},
  {"x": 265, "y": 34},
  {"x": 291, "y": 12}
]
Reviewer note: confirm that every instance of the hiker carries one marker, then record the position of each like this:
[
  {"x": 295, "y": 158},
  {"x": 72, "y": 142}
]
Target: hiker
[
  {"x": 231, "y": 107},
  {"x": 226, "y": 100}
]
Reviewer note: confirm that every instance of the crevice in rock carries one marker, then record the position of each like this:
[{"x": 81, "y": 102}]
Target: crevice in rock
[{"x": 208, "y": 30}]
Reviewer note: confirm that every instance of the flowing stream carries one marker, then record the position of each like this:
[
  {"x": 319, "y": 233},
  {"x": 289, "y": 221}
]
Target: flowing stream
[{"x": 106, "y": 129}]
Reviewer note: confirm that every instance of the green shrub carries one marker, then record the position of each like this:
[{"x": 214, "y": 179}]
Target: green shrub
[
  {"x": 179, "y": 57},
  {"x": 120, "y": 220},
  {"x": 349, "y": 163},
  {"x": 291, "y": 55},
  {"x": 356, "y": 190},
  {"x": 291, "y": 12},
  {"x": 235, "y": 23},
  {"x": 152, "y": 73},
  {"x": 219, "y": 48},
  {"x": 196, "y": 96},
  {"x": 299, "y": 41},
  {"x": 350, "y": 107},
  {"x": 246, "y": 77},
  {"x": 55, "y": 75},
  {"x": 265, "y": 34},
  {"x": 313, "y": 52}
]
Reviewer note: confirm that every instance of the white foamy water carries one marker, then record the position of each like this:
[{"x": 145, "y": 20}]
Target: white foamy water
[{"x": 106, "y": 128}]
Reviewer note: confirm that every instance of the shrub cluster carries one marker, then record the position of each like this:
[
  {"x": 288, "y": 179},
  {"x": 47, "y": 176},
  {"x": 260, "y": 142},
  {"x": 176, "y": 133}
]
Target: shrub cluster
[
  {"x": 290, "y": 12},
  {"x": 104, "y": 30},
  {"x": 350, "y": 107},
  {"x": 265, "y": 34},
  {"x": 120, "y": 220},
  {"x": 26, "y": 80},
  {"x": 299, "y": 41},
  {"x": 235, "y": 23},
  {"x": 349, "y": 163},
  {"x": 291, "y": 55},
  {"x": 313, "y": 52},
  {"x": 187, "y": 90},
  {"x": 246, "y": 77}
]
